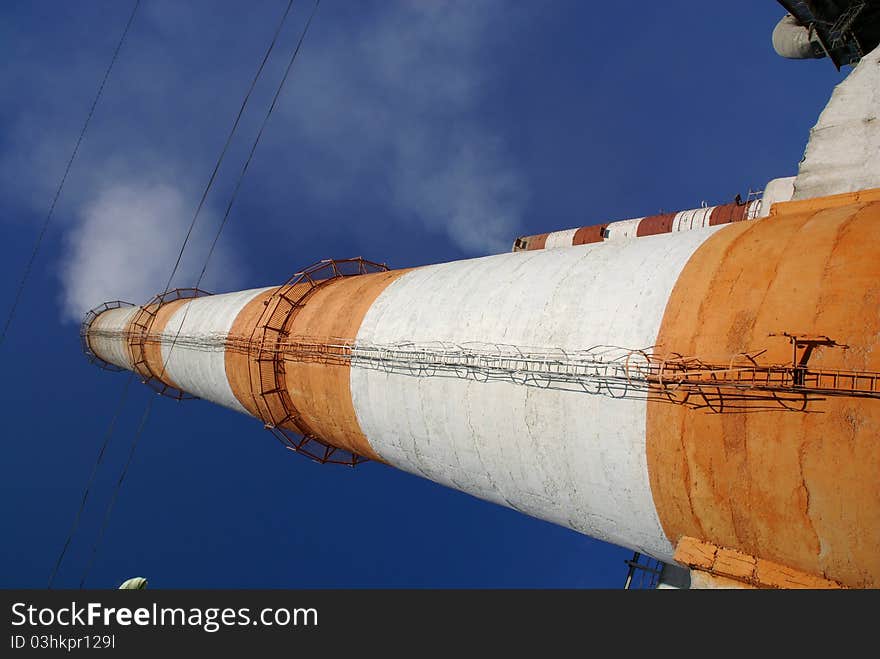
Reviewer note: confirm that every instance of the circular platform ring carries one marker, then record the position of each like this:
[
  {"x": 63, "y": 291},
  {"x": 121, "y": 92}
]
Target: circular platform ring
[
  {"x": 86, "y": 325},
  {"x": 141, "y": 333},
  {"x": 275, "y": 406}
]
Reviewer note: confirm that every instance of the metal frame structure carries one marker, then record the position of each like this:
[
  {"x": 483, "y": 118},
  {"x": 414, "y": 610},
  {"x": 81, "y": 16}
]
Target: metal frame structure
[
  {"x": 88, "y": 319},
  {"x": 141, "y": 333},
  {"x": 741, "y": 384},
  {"x": 643, "y": 572},
  {"x": 837, "y": 37},
  {"x": 277, "y": 410}
]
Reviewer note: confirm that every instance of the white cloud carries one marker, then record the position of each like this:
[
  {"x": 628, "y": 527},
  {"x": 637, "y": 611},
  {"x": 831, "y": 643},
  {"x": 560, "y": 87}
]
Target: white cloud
[
  {"x": 393, "y": 107},
  {"x": 125, "y": 244},
  {"x": 384, "y": 104}
]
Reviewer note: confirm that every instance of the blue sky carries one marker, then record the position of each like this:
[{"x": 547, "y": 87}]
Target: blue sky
[{"x": 410, "y": 133}]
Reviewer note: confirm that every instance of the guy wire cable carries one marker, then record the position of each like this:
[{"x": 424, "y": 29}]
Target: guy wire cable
[
  {"x": 210, "y": 183},
  {"x": 30, "y": 264},
  {"x": 201, "y": 275}
]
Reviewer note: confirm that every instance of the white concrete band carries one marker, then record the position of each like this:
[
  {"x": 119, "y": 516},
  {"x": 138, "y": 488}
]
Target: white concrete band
[
  {"x": 112, "y": 347},
  {"x": 560, "y": 239},
  {"x": 623, "y": 229},
  {"x": 202, "y": 372},
  {"x": 572, "y": 458},
  {"x": 696, "y": 218},
  {"x": 777, "y": 190}
]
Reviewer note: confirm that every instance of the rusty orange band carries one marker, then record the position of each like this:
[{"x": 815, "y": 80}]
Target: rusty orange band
[
  {"x": 798, "y": 489},
  {"x": 153, "y": 347},
  {"x": 143, "y": 344},
  {"x": 536, "y": 242},
  {"x": 320, "y": 391}
]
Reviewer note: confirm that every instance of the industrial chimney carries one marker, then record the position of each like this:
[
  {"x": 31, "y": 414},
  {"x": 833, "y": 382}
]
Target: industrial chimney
[{"x": 704, "y": 393}]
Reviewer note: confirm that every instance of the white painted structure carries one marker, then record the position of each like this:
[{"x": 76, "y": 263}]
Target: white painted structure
[
  {"x": 777, "y": 190},
  {"x": 843, "y": 154},
  {"x": 199, "y": 371},
  {"x": 107, "y": 336},
  {"x": 560, "y": 239},
  {"x": 568, "y": 457},
  {"x": 696, "y": 218},
  {"x": 622, "y": 229}
]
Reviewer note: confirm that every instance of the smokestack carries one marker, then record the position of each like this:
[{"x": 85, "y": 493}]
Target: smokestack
[
  {"x": 707, "y": 397},
  {"x": 780, "y": 189}
]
